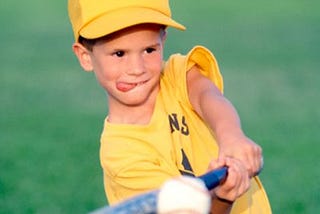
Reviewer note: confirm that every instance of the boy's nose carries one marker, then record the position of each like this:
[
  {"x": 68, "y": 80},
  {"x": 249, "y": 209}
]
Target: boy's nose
[{"x": 136, "y": 66}]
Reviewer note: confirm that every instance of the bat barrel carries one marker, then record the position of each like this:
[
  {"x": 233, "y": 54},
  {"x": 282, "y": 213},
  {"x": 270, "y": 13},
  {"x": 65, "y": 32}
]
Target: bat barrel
[
  {"x": 141, "y": 204},
  {"x": 147, "y": 203}
]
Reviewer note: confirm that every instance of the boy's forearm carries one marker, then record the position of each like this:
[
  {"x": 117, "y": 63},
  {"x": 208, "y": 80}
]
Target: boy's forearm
[
  {"x": 220, "y": 207},
  {"x": 213, "y": 107},
  {"x": 221, "y": 116}
]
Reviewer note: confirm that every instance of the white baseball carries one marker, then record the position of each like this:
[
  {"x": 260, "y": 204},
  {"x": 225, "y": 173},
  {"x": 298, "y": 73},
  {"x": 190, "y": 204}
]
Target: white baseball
[{"x": 184, "y": 194}]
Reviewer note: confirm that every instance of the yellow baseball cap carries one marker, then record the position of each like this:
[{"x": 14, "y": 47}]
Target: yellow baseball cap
[{"x": 96, "y": 18}]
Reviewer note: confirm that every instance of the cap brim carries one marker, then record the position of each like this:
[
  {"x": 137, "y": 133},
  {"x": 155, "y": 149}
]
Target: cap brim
[{"x": 120, "y": 19}]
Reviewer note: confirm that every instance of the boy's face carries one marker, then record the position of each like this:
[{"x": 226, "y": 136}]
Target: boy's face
[{"x": 128, "y": 64}]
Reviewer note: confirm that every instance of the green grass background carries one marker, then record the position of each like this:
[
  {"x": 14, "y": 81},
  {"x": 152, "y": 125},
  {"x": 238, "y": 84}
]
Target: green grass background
[{"x": 52, "y": 112}]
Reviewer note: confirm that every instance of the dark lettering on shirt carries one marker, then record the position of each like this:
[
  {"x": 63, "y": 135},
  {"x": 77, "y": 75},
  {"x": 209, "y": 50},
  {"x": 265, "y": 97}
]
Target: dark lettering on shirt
[
  {"x": 186, "y": 165},
  {"x": 178, "y": 125}
]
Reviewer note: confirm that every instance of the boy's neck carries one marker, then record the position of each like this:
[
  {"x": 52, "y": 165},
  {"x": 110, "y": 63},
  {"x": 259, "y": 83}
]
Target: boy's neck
[{"x": 135, "y": 115}]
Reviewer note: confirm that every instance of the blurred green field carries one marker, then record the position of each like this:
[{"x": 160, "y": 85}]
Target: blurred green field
[{"x": 52, "y": 113}]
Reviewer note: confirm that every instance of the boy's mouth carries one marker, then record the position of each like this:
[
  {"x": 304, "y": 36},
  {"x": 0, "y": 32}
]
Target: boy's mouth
[{"x": 125, "y": 86}]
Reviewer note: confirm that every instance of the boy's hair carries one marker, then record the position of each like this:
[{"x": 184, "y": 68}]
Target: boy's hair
[
  {"x": 87, "y": 43},
  {"x": 93, "y": 19}
]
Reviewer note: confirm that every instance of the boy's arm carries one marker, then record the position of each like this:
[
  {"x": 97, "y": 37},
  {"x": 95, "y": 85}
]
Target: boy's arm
[{"x": 223, "y": 119}]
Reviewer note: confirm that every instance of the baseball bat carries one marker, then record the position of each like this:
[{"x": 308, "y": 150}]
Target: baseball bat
[{"x": 147, "y": 203}]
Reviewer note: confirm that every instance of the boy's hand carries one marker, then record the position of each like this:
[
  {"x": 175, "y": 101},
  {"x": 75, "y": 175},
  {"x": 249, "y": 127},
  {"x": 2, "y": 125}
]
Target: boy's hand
[
  {"x": 237, "y": 181},
  {"x": 244, "y": 149}
]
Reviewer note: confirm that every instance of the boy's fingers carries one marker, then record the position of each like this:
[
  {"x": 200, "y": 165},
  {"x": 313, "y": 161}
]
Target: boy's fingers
[
  {"x": 237, "y": 181},
  {"x": 260, "y": 167},
  {"x": 257, "y": 162},
  {"x": 242, "y": 177},
  {"x": 216, "y": 163},
  {"x": 253, "y": 160}
]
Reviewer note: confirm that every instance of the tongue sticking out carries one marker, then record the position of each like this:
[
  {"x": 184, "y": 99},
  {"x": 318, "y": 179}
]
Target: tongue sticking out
[{"x": 124, "y": 87}]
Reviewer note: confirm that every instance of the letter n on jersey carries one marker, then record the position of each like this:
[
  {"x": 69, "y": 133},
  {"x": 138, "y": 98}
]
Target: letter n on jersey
[{"x": 178, "y": 125}]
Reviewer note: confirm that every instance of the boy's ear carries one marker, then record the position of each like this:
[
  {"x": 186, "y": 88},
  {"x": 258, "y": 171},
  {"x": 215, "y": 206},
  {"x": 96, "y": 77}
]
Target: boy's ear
[
  {"x": 164, "y": 35},
  {"x": 83, "y": 55}
]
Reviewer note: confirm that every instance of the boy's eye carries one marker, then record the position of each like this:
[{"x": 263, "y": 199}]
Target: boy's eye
[
  {"x": 119, "y": 53},
  {"x": 150, "y": 50}
]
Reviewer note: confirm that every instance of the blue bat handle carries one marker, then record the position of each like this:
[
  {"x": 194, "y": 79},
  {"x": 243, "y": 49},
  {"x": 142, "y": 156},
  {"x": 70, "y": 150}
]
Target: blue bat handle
[{"x": 214, "y": 178}]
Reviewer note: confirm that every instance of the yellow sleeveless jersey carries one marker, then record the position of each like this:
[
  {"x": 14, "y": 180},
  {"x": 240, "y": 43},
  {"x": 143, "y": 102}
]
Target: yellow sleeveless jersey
[{"x": 139, "y": 158}]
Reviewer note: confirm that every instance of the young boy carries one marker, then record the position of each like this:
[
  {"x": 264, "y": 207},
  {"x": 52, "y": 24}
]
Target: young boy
[{"x": 165, "y": 119}]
